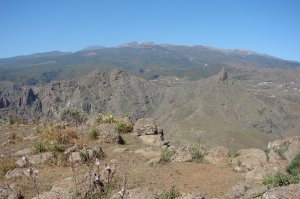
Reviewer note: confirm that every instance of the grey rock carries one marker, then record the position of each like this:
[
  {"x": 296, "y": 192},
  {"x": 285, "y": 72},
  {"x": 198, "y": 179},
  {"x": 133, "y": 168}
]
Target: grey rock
[
  {"x": 145, "y": 126},
  {"x": 42, "y": 158},
  {"x": 17, "y": 172},
  {"x": 288, "y": 192},
  {"x": 182, "y": 154},
  {"x": 217, "y": 155}
]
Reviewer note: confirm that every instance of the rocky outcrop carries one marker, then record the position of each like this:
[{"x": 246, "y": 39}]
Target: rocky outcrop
[
  {"x": 217, "y": 155},
  {"x": 244, "y": 190},
  {"x": 17, "y": 172},
  {"x": 109, "y": 133},
  {"x": 41, "y": 158},
  {"x": 4, "y": 103},
  {"x": 251, "y": 161},
  {"x": 182, "y": 154},
  {"x": 288, "y": 192},
  {"x": 284, "y": 149},
  {"x": 145, "y": 126}
]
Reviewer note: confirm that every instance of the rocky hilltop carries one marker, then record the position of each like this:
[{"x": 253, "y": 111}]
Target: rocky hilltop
[{"x": 107, "y": 160}]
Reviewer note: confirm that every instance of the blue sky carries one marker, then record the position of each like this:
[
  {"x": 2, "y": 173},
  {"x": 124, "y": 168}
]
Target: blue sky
[{"x": 265, "y": 26}]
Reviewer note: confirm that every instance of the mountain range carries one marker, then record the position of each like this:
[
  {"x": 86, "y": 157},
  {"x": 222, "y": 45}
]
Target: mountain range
[{"x": 235, "y": 98}]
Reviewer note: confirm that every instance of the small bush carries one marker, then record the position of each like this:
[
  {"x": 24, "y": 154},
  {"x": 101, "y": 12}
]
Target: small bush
[
  {"x": 73, "y": 115},
  {"x": 171, "y": 194},
  {"x": 279, "y": 179},
  {"x": 234, "y": 153},
  {"x": 57, "y": 148},
  {"x": 102, "y": 118},
  {"x": 267, "y": 151},
  {"x": 294, "y": 167},
  {"x": 197, "y": 154},
  {"x": 39, "y": 147},
  {"x": 93, "y": 134},
  {"x": 7, "y": 165},
  {"x": 166, "y": 156},
  {"x": 124, "y": 128}
]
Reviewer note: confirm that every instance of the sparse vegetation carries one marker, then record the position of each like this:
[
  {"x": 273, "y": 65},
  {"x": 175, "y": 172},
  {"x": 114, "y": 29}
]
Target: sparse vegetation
[
  {"x": 280, "y": 179},
  {"x": 171, "y": 194},
  {"x": 124, "y": 128},
  {"x": 197, "y": 154},
  {"x": 7, "y": 165},
  {"x": 73, "y": 115},
  {"x": 267, "y": 151},
  {"x": 39, "y": 147},
  {"x": 93, "y": 134},
  {"x": 294, "y": 167},
  {"x": 166, "y": 156},
  {"x": 234, "y": 153},
  {"x": 102, "y": 118},
  {"x": 57, "y": 148}
]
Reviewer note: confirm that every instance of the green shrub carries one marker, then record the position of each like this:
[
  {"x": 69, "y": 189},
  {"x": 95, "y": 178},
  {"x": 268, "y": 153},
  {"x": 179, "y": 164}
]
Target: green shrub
[
  {"x": 294, "y": 167},
  {"x": 165, "y": 156},
  {"x": 124, "y": 128},
  {"x": 73, "y": 115},
  {"x": 39, "y": 147},
  {"x": 267, "y": 151},
  {"x": 279, "y": 179},
  {"x": 57, "y": 148},
  {"x": 93, "y": 134},
  {"x": 197, "y": 154},
  {"x": 102, "y": 118},
  {"x": 234, "y": 153},
  {"x": 171, "y": 194}
]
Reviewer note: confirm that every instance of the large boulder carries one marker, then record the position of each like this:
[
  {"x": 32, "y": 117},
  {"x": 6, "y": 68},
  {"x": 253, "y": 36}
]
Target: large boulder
[
  {"x": 288, "y": 192},
  {"x": 109, "y": 133},
  {"x": 182, "y": 154},
  {"x": 217, "y": 155},
  {"x": 145, "y": 126}
]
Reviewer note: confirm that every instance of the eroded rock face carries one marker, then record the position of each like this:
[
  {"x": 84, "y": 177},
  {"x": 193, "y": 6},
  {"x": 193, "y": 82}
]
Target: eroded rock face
[
  {"x": 145, "y": 126},
  {"x": 288, "y": 192}
]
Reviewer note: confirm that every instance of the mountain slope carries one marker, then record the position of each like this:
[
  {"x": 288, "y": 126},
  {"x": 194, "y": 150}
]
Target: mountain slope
[
  {"x": 147, "y": 60},
  {"x": 215, "y": 110}
]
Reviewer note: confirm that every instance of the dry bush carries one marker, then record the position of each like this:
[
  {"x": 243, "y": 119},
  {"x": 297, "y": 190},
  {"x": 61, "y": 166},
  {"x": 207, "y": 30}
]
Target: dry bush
[
  {"x": 61, "y": 135},
  {"x": 7, "y": 165}
]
